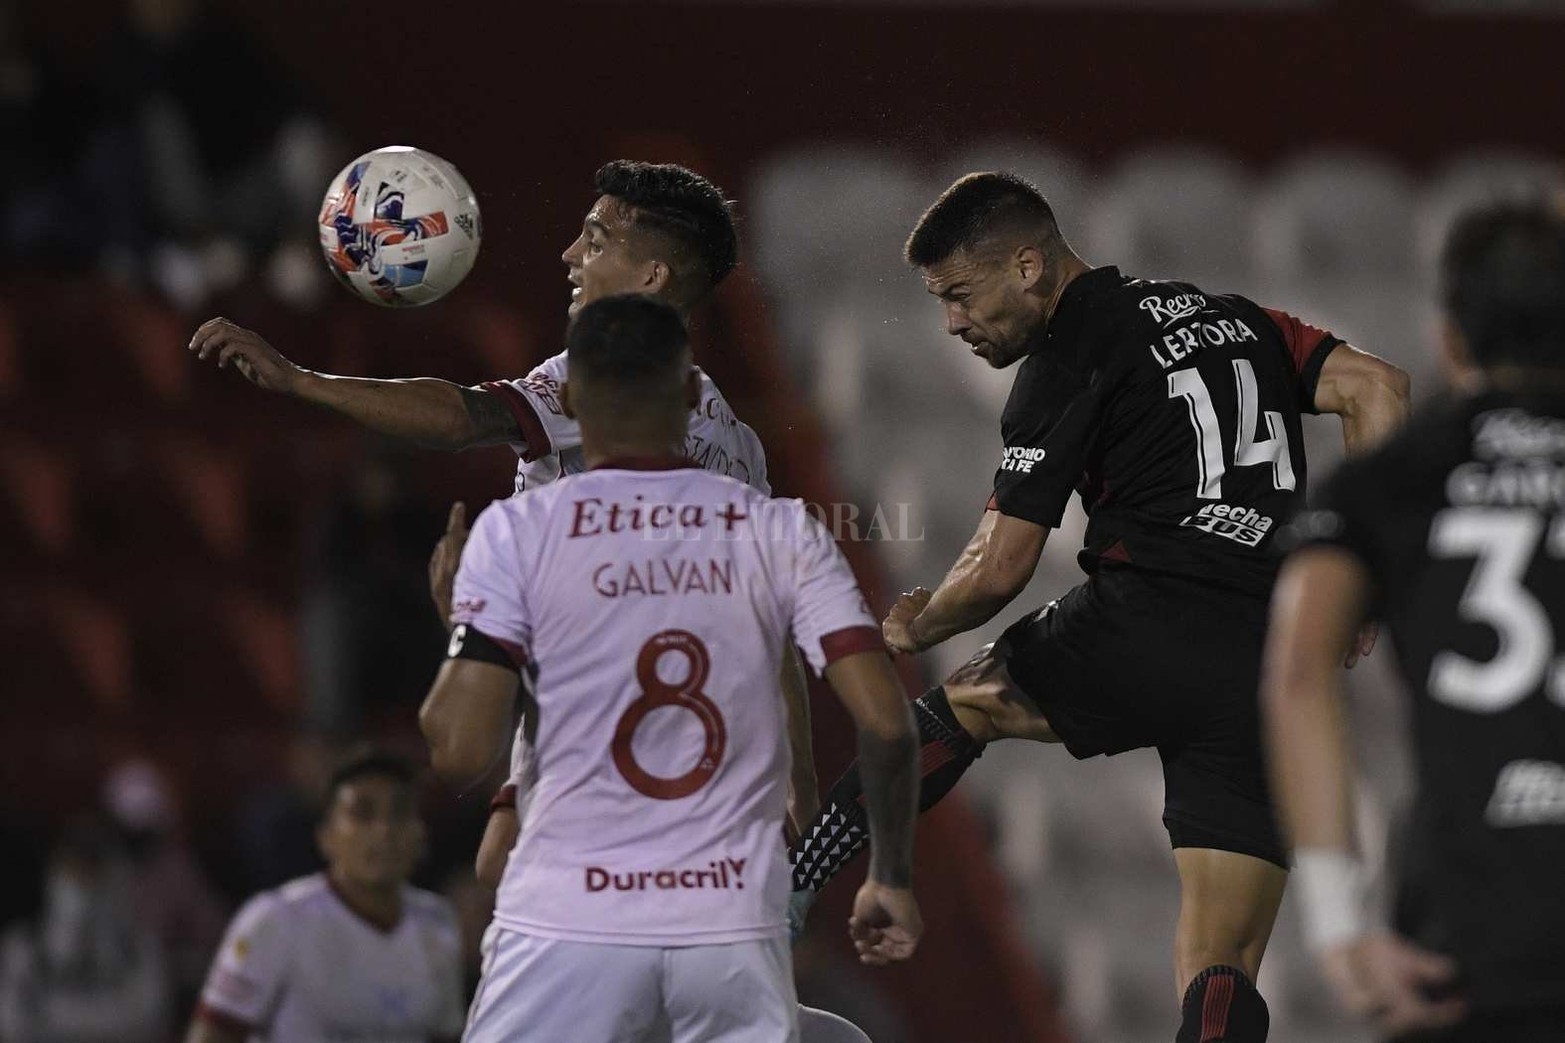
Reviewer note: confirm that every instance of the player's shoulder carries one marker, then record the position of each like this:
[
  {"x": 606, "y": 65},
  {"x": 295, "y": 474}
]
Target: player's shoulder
[
  {"x": 552, "y": 368},
  {"x": 278, "y": 910},
  {"x": 300, "y": 893}
]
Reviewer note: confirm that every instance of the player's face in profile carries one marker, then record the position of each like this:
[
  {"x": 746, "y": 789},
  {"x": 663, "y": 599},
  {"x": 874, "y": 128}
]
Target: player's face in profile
[
  {"x": 608, "y": 257},
  {"x": 986, "y": 305},
  {"x": 373, "y": 834}
]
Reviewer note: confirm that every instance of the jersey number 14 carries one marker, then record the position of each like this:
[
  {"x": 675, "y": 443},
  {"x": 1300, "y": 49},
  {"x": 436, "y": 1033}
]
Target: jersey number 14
[{"x": 1249, "y": 450}]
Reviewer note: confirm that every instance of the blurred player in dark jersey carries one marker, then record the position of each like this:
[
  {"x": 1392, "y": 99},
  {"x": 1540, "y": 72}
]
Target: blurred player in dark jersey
[
  {"x": 1453, "y": 534},
  {"x": 1174, "y": 414}
]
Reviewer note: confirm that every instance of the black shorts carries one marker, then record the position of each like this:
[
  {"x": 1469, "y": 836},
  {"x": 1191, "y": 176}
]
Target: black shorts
[{"x": 1132, "y": 659}]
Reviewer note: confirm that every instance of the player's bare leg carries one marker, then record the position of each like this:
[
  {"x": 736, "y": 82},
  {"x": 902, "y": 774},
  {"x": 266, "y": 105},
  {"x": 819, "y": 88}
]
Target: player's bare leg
[
  {"x": 988, "y": 704},
  {"x": 1228, "y": 905},
  {"x": 978, "y": 704}
]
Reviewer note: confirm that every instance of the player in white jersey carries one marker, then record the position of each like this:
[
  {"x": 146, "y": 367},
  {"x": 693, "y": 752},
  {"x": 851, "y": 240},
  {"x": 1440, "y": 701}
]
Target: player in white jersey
[
  {"x": 350, "y": 954},
  {"x": 651, "y": 602},
  {"x": 658, "y": 229}
]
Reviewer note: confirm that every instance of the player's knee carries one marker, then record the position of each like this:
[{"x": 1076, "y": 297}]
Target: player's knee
[{"x": 989, "y": 706}]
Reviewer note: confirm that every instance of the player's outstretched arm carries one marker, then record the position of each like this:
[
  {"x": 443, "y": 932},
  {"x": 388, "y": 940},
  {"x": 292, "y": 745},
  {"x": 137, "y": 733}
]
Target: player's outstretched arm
[
  {"x": 886, "y": 924},
  {"x": 996, "y": 566},
  {"x": 436, "y": 414},
  {"x": 467, "y": 718},
  {"x": 1368, "y": 393},
  {"x": 1320, "y": 600}
]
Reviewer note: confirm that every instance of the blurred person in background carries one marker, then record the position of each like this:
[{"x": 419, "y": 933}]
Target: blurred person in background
[
  {"x": 231, "y": 154},
  {"x": 1174, "y": 415},
  {"x": 72, "y": 197},
  {"x": 87, "y": 968},
  {"x": 169, "y": 890},
  {"x": 275, "y": 827},
  {"x": 354, "y": 951},
  {"x": 369, "y": 640},
  {"x": 1453, "y": 535}
]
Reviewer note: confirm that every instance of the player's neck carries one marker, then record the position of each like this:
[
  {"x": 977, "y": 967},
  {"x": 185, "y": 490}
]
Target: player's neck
[
  {"x": 598, "y": 451},
  {"x": 1069, "y": 268},
  {"x": 380, "y": 906}
]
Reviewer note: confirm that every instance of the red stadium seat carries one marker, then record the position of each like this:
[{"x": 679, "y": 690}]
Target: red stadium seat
[
  {"x": 208, "y": 482},
  {"x": 266, "y": 636},
  {"x": 97, "y": 644},
  {"x": 37, "y": 481}
]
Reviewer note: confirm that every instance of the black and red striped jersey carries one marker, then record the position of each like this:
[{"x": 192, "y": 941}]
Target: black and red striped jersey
[{"x": 1174, "y": 413}]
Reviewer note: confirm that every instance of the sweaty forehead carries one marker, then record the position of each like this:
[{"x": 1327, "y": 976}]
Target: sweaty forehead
[
  {"x": 615, "y": 215},
  {"x": 961, "y": 267}
]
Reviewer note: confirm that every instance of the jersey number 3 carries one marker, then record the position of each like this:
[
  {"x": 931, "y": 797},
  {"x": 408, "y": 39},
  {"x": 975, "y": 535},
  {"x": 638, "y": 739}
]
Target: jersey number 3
[
  {"x": 1248, "y": 450},
  {"x": 1504, "y": 542},
  {"x": 656, "y": 694}
]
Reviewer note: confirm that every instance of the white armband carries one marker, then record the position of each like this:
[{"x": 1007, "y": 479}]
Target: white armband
[{"x": 1333, "y": 895}]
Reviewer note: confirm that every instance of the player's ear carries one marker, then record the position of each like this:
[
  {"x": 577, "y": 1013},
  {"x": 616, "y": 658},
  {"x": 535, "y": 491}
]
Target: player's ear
[
  {"x": 693, "y": 389},
  {"x": 565, "y": 400},
  {"x": 658, "y": 277},
  {"x": 1028, "y": 262},
  {"x": 1456, "y": 360}
]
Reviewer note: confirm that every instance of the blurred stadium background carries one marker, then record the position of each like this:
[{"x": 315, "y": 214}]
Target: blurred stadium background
[{"x": 205, "y": 590}]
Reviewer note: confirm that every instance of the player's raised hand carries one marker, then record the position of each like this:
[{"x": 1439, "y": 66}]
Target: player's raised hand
[
  {"x": 897, "y": 628},
  {"x": 1363, "y": 644},
  {"x": 1392, "y": 983},
  {"x": 886, "y": 924},
  {"x": 445, "y": 559},
  {"x": 259, "y": 362}
]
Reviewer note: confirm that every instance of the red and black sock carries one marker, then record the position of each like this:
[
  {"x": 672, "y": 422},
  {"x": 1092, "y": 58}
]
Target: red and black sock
[
  {"x": 1222, "y": 1006},
  {"x": 841, "y": 827}
]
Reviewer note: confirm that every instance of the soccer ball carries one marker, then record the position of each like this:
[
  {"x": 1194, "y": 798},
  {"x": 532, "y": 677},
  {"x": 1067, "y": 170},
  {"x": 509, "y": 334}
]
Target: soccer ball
[{"x": 400, "y": 227}]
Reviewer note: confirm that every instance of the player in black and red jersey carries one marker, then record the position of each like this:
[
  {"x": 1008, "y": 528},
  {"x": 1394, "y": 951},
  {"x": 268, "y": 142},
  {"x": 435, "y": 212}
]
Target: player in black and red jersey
[
  {"x": 1174, "y": 413},
  {"x": 1453, "y": 534}
]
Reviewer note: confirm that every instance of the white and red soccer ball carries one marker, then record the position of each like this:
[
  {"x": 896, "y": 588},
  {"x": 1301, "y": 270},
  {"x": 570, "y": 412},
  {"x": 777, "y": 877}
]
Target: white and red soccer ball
[{"x": 400, "y": 227}]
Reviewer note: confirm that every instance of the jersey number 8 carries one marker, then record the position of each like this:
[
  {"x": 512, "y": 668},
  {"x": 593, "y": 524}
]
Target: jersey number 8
[{"x": 656, "y": 694}]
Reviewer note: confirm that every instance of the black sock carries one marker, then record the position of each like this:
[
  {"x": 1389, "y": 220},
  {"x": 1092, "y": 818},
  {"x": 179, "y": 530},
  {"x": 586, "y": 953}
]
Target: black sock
[
  {"x": 1222, "y": 1006},
  {"x": 841, "y": 828}
]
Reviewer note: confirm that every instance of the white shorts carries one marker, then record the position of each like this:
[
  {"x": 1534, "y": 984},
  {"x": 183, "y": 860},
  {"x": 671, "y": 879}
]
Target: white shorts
[
  {"x": 820, "y": 1026},
  {"x": 540, "y": 990}
]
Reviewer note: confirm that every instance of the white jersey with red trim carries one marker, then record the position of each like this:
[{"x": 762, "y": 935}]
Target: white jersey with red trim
[
  {"x": 651, "y": 603},
  {"x": 717, "y": 440},
  {"x": 299, "y": 964}
]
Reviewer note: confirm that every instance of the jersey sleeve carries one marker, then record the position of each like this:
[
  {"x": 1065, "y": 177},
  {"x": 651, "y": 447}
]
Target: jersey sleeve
[
  {"x": 1308, "y": 346},
  {"x": 250, "y": 969},
  {"x": 1046, "y": 448},
  {"x": 488, "y": 594},
  {"x": 831, "y": 619},
  {"x": 754, "y": 459},
  {"x": 534, "y": 401}
]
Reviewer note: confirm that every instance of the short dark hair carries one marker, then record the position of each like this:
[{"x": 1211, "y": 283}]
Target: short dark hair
[
  {"x": 369, "y": 763},
  {"x": 1502, "y": 277},
  {"x": 626, "y": 341},
  {"x": 976, "y": 208},
  {"x": 680, "y": 204}
]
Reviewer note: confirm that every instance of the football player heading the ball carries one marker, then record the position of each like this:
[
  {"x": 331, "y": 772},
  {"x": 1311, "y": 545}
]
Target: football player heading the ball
[{"x": 656, "y": 229}]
